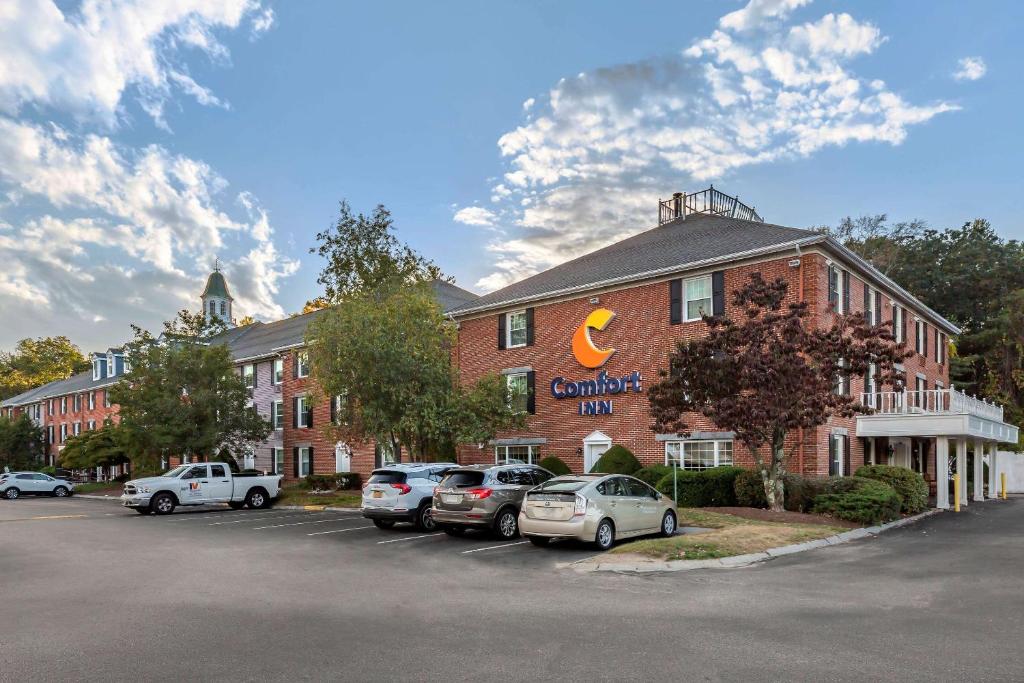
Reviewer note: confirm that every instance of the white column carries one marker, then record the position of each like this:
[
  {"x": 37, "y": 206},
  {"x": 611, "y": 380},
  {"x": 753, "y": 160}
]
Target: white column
[
  {"x": 942, "y": 472},
  {"x": 993, "y": 478},
  {"x": 961, "y": 468},
  {"x": 979, "y": 470}
]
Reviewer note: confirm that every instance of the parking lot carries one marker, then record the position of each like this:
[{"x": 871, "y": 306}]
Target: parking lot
[{"x": 89, "y": 590}]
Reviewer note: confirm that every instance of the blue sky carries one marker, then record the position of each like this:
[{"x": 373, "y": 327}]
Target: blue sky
[{"x": 139, "y": 140}]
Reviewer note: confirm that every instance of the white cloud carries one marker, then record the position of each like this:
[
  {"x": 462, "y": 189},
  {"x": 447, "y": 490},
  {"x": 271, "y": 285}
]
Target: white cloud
[
  {"x": 970, "y": 69},
  {"x": 475, "y": 215},
  {"x": 83, "y": 62},
  {"x": 585, "y": 166}
]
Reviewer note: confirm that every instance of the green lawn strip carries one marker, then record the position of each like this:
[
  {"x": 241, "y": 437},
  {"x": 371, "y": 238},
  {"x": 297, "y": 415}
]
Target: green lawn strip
[
  {"x": 730, "y": 535},
  {"x": 300, "y": 495}
]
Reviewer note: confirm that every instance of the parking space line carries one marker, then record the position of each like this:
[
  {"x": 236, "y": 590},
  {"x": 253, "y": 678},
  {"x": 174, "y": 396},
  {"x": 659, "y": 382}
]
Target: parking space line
[
  {"x": 339, "y": 531},
  {"x": 492, "y": 547},
  {"x": 409, "y": 538},
  {"x": 318, "y": 521},
  {"x": 259, "y": 519},
  {"x": 208, "y": 514}
]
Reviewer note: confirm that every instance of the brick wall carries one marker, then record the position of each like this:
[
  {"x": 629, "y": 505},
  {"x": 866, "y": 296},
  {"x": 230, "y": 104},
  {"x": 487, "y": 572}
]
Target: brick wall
[{"x": 100, "y": 413}]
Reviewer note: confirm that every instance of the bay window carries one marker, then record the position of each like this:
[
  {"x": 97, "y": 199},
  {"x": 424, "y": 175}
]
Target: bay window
[{"x": 698, "y": 454}]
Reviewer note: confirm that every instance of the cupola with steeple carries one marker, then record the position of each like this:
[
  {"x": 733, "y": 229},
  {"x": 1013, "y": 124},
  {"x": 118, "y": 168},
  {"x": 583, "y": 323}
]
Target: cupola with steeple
[{"x": 216, "y": 298}]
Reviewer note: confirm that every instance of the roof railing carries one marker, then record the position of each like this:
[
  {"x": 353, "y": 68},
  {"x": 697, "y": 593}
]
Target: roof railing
[{"x": 709, "y": 201}]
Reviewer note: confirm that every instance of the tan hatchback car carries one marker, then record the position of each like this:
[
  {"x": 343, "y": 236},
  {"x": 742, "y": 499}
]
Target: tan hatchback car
[{"x": 597, "y": 508}]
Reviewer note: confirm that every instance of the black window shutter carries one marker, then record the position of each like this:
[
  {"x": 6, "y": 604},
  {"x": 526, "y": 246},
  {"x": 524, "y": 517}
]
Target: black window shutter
[
  {"x": 846, "y": 456},
  {"x": 718, "y": 292},
  {"x": 309, "y": 413},
  {"x": 311, "y": 470},
  {"x": 255, "y": 374},
  {"x": 924, "y": 339},
  {"x": 846, "y": 292},
  {"x": 334, "y": 409},
  {"x": 295, "y": 366},
  {"x": 903, "y": 324},
  {"x": 273, "y": 414},
  {"x": 833, "y": 286},
  {"x": 501, "y": 331},
  {"x": 531, "y": 394},
  {"x": 529, "y": 326},
  {"x": 675, "y": 302},
  {"x": 832, "y": 455},
  {"x": 867, "y": 305},
  {"x": 295, "y": 457},
  {"x": 295, "y": 412}
]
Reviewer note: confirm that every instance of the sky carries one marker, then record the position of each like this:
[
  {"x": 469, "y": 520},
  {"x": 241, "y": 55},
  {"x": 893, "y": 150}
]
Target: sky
[{"x": 140, "y": 140}]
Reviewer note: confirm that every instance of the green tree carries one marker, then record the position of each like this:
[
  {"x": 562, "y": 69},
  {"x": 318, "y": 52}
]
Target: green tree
[
  {"x": 21, "y": 443},
  {"x": 388, "y": 353},
  {"x": 112, "y": 444},
  {"x": 35, "y": 362},
  {"x": 363, "y": 254},
  {"x": 182, "y": 397}
]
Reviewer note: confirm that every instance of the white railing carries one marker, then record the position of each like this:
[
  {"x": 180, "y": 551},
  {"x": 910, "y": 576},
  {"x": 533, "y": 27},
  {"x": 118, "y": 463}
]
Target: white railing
[{"x": 931, "y": 401}]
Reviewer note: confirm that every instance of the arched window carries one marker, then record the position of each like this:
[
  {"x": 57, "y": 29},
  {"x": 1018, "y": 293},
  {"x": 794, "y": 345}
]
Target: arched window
[
  {"x": 213, "y": 308},
  {"x": 223, "y": 308}
]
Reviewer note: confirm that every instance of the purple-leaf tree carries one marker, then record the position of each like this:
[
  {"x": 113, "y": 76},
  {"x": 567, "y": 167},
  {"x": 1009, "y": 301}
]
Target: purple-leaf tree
[{"x": 771, "y": 372}]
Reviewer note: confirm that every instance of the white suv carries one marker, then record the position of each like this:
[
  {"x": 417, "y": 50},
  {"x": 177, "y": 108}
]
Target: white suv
[{"x": 403, "y": 492}]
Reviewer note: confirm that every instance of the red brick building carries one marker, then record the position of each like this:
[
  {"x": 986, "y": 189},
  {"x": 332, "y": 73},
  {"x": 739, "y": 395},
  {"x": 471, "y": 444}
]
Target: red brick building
[{"x": 643, "y": 294}]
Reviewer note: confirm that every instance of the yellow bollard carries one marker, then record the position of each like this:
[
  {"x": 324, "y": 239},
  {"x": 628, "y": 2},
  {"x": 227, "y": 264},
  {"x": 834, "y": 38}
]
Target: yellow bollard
[
  {"x": 956, "y": 492},
  {"x": 1002, "y": 483}
]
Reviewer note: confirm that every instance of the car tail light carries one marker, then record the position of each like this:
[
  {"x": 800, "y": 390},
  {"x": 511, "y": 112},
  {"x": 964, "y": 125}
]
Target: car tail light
[
  {"x": 402, "y": 488},
  {"x": 580, "y": 508},
  {"x": 479, "y": 494}
]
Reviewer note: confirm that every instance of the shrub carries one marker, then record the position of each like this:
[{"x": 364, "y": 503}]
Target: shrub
[
  {"x": 859, "y": 499},
  {"x": 653, "y": 474},
  {"x": 799, "y": 492},
  {"x": 908, "y": 484},
  {"x": 332, "y": 482},
  {"x": 711, "y": 488},
  {"x": 555, "y": 465},
  {"x": 750, "y": 489},
  {"x": 617, "y": 460}
]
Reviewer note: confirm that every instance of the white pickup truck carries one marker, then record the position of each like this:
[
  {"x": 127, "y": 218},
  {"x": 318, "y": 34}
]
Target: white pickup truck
[{"x": 200, "y": 484}]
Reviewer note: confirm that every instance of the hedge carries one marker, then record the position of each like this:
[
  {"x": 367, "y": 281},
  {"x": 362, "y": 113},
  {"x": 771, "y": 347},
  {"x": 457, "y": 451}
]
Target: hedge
[
  {"x": 709, "y": 488},
  {"x": 617, "y": 460},
  {"x": 799, "y": 492},
  {"x": 653, "y": 474},
  {"x": 858, "y": 499},
  {"x": 910, "y": 485},
  {"x": 332, "y": 482},
  {"x": 555, "y": 465}
]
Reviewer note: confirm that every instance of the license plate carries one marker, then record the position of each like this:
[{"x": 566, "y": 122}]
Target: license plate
[
  {"x": 451, "y": 498},
  {"x": 378, "y": 494}
]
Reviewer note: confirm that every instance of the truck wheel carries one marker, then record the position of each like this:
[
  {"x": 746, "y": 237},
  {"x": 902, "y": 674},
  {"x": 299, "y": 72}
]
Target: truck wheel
[
  {"x": 425, "y": 518},
  {"x": 257, "y": 499},
  {"x": 383, "y": 523},
  {"x": 236, "y": 505},
  {"x": 162, "y": 504}
]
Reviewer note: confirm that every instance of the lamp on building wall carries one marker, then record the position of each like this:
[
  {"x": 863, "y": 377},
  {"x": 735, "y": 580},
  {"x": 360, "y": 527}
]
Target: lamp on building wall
[{"x": 579, "y": 450}]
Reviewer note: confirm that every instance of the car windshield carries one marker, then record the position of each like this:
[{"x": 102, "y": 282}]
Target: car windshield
[
  {"x": 176, "y": 471},
  {"x": 387, "y": 477},
  {"x": 555, "y": 485},
  {"x": 462, "y": 479}
]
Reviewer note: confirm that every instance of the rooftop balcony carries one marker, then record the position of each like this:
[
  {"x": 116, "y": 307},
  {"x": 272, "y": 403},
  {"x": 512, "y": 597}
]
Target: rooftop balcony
[{"x": 709, "y": 201}]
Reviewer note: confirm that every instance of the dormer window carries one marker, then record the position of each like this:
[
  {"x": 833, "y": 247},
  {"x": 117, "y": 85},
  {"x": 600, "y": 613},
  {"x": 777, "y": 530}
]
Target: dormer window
[
  {"x": 111, "y": 368},
  {"x": 97, "y": 369}
]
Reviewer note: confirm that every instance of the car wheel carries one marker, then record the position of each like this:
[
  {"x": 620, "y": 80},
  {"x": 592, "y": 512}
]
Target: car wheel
[
  {"x": 454, "y": 530},
  {"x": 162, "y": 504},
  {"x": 11, "y": 493},
  {"x": 236, "y": 505},
  {"x": 383, "y": 523},
  {"x": 61, "y": 491},
  {"x": 539, "y": 541},
  {"x": 257, "y": 499},
  {"x": 506, "y": 525},
  {"x": 605, "y": 537},
  {"x": 668, "y": 524},
  {"x": 425, "y": 519}
]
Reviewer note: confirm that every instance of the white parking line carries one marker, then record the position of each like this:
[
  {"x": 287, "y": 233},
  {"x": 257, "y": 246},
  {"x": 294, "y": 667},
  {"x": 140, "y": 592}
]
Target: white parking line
[
  {"x": 248, "y": 519},
  {"x": 319, "y": 521},
  {"x": 193, "y": 516},
  {"x": 410, "y": 538},
  {"x": 339, "y": 531},
  {"x": 493, "y": 547}
]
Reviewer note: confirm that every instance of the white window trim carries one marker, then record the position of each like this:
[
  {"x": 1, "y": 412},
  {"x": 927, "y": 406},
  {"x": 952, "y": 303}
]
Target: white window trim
[
  {"x": 275, "y": 378},
  {"x": 533, "y": 451},
  {"x": 301, "y": 406},
  {"x": 304, "y": 457},
  {"x": 508, "y": 329},
  {"x": 686, "y": 299},
  {"x": 249, "y": 373},
  {"x": 277, "y": 415},
  {"x": 717, "y": 451},
  {"x": 508, "y": 387},
  {"x": 302, "y": 365}
]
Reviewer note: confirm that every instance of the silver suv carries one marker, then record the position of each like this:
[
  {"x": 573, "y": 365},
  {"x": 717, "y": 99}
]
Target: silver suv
[
  {"x": 14, "y": 484},
  {"x": 483, "y": 496},
  {"x": 402, "y": 493}
]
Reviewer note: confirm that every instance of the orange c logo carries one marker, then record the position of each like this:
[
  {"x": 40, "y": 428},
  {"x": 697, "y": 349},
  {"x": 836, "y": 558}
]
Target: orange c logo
[{"x": 583, "y": 348}]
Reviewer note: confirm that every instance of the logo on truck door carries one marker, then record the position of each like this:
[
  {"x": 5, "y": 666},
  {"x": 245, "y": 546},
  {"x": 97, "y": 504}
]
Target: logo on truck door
[{"x": 589, "y": 355}]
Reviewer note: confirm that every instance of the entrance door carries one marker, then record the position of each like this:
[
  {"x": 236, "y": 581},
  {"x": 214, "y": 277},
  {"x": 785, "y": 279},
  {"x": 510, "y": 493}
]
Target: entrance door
[
  {"x": 342, "y": 458},
  {"x": 592, "y": 452}
]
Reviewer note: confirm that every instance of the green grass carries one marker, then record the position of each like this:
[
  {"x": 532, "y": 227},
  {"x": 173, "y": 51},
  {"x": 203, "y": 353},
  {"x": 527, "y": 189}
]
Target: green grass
[
  {"x": 299, "y": 494},
  {"x": 730, "y": 535}
]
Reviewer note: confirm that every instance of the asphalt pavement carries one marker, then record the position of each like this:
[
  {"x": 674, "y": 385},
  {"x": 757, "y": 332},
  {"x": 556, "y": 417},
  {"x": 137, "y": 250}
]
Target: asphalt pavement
[{"x": 89, "y": 591}]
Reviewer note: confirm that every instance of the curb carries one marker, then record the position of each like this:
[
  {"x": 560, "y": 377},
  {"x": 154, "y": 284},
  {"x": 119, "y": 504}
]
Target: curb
[
  {"x": 307, "y": 508},
  {"x": 746, "y": 560}
]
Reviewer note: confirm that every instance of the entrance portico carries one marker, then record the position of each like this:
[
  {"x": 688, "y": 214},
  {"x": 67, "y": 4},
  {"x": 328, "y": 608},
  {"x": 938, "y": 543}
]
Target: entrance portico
[{"x": 954, "y": 420}]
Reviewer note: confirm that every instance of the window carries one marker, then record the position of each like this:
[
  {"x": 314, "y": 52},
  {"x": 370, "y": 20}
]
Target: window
[
  {"x": 217, "y": 471},
  {"x": 841, "y": 386},
  {"x": 49, "y": 434},
  {"x": 278, "y": 455},
  {"x": 223, "y": 309},
  {"x": 516, "y": 329},
  {"x": 213, "y": 308},
  {"x": 63, "y": 432},
  {"x": 63, "y": 405},
  {"x": 49, "y": 408},
  {"x": 940, "y": 347},
  {"x": 834, "y": 283},
  {"x": 91, "y": 425},
  {"x": 303, "y": 412},
  {"x": 277, "y": 414},
  {"x": 302, "y": 364},
  {"x": 78, "y": 402},
  {"x": 97, "y": 370},
  {"x": 518, "y": 391},
  {"x": 249, "y": 375},
  {"x": 698, "y": 455},
  {"x": 897, "y": 323},
  {"x": 106, "y": 398},
  {"x": 92, "y": 400},
  {"x": 836, "y": 448},
  {"x": 616, "y": 486},
  {"x": 919, "y": 336},
  {"x": 278, "y": 370},
  {"x": 76, "y": 428},
  {"x": 304, "y": 462},
  {"x": 528, "y": 455},
  {"x": 197, "y": 472},
  {"x": 697, "y": 295}
]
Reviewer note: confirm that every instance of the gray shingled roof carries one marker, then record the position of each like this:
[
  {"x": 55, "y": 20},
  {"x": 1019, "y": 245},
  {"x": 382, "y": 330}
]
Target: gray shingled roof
[
  {"x": 677, "y": 245},
  {"x": 450, "y": 296},
  {"x": 265, "y": 338}
]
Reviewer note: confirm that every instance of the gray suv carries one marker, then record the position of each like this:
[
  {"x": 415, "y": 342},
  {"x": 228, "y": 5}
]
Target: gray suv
[{"x": 485, "y": 496}]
